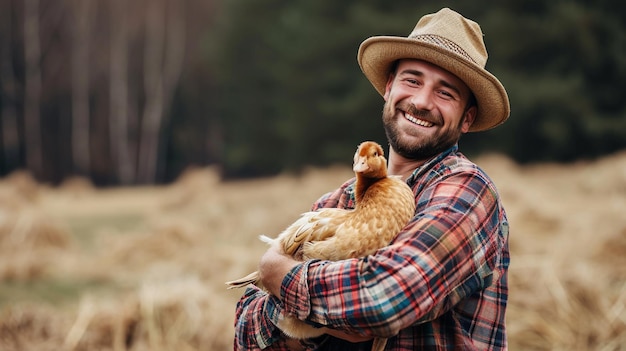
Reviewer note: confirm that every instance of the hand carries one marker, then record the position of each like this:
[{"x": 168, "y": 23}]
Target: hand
[
  {"x": 273, "y": 267},
  {"x": 275, "y": 246},
  {"x": 353, "y": 338}
]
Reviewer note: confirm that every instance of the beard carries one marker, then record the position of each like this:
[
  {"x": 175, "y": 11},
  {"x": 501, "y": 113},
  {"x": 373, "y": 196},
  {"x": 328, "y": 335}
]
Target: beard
[{"x": 422, "y": 147}]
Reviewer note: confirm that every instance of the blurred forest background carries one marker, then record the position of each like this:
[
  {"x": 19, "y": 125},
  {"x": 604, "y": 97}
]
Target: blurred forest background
[{"x": 134, "y": 92}]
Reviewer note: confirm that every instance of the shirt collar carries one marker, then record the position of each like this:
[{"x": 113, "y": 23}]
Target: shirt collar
[{"x": 419, "y": 171}]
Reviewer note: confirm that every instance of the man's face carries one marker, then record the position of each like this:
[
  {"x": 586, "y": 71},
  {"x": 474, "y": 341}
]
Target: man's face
[{"x": 425, "y": 109}]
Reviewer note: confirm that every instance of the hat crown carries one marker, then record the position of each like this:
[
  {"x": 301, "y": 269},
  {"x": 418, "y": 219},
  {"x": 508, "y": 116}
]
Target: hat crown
[{"x": 453, "y": 32}]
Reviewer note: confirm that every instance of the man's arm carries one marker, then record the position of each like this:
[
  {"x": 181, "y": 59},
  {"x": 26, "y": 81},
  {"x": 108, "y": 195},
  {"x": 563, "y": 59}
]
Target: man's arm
[
  {"x": 445, "y": 254},
  {"x": 273, "y": 268}
]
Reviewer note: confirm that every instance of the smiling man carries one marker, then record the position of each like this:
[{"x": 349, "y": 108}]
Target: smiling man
[{"x": 442, "y": 282}]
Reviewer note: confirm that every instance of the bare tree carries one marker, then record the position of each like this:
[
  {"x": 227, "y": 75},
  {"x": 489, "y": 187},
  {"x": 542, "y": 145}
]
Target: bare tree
[
  {"x": 83, "y": 16},
  {"x": 32, "y": 94},
  {"x": 118, "y": 93},
  {"x": 10, "y": 136},
  {"x": 163, "y": 58}
]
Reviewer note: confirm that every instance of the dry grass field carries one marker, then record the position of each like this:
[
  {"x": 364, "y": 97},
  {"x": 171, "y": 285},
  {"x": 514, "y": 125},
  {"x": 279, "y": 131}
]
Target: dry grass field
[{"x": 143, "y": 268}]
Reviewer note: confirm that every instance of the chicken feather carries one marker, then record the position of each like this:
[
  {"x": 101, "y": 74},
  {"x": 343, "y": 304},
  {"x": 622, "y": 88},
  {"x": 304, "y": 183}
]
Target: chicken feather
[{"x": 383, "y": 206}]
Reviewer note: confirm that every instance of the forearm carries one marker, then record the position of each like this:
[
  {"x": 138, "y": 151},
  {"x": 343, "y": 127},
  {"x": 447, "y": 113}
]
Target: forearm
[
  {"x": 337, "y": 295},
  {"x": 399, "y": 286}
]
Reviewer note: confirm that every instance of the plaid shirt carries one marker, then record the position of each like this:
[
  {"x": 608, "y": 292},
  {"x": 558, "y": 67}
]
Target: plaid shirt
[{"x": 440, "y": 285}]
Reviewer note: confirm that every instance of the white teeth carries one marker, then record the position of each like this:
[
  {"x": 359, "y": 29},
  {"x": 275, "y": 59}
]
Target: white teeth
[{"x": 418, "y": 121}]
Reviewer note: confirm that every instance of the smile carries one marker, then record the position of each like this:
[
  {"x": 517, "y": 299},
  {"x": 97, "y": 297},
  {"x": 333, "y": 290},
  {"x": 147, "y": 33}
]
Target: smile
[{"x": 419, "y": 122}]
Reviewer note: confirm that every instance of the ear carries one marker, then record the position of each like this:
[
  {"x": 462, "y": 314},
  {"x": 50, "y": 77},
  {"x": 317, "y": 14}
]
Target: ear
[
  {"x": 468, "y": 118},
  {"x": 388, "y": 86}
]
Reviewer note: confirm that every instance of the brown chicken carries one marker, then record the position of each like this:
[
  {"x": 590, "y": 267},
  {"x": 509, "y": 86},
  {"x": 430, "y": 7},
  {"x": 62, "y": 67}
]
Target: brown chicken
[{"x": 383, "y": 206}]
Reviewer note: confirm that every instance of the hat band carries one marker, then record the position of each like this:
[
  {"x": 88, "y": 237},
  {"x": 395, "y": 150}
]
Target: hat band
[{"x": 443, "y": 42}]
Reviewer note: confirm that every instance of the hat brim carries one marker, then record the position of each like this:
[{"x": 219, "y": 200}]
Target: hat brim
[{"x": 377, "y": 54}]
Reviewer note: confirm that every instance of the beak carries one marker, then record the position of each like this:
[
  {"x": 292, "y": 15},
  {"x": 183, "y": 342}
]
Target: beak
[{"x": 360, "y": 164}]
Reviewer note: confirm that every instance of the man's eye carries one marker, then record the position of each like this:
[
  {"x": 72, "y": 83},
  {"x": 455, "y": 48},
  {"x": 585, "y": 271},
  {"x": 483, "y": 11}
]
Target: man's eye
[{"x": 446, "y": 94}]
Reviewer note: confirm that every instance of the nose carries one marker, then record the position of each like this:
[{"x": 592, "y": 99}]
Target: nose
[{"x": 422, "y": 99}]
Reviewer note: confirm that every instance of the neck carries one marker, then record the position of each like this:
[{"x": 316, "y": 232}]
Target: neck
[
  {"x": 401, "y": 166},
  {"x": 361, "y": 186}
]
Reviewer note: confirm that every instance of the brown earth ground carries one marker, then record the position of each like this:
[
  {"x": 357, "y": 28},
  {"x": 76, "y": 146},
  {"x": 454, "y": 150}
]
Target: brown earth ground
[{"x": 143, "y": 268}]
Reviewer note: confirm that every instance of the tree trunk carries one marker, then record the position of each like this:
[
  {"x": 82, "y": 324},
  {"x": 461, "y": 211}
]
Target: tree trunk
[
  {"x": 10, "y": 136},
  {"x": 81, "y": 128},
  {"x": 32, "y": 98},
  {"x": 153, "y": 77},
  {"x": 163, "y": 58},
  {"x": 118, "y": 94}
]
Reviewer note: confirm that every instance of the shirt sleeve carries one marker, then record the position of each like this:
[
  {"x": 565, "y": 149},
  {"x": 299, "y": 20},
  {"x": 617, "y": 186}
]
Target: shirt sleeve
[
  {"x": 254, "y": 326},
  {"x": 256, "y": 315},
  {"x": 447, "y": 252}
]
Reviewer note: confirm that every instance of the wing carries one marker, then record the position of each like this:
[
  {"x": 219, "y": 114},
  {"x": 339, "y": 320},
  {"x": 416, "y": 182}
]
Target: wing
[
  {"x": 312, "y": 226},
  {"x": 385, "y": 209}
]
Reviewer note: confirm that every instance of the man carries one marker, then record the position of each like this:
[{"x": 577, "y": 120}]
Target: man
[{"x": 442, "y": 283}]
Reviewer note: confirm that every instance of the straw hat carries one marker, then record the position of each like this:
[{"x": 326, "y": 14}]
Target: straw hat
[{"x": 452, "y": 42}]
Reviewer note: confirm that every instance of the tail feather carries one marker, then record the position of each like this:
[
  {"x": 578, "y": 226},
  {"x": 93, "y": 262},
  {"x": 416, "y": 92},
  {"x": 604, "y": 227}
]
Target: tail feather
[{"x": 251, "y": 278}]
